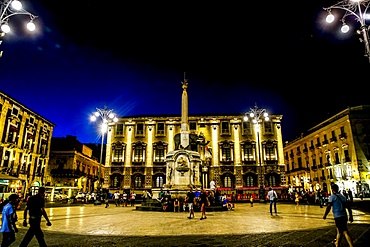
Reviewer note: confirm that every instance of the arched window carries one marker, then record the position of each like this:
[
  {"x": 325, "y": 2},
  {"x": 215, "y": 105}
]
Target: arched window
[
  {"x": 249, "y": 181},
  {"x": 137, "y": 182},
  {"x": 159, "y": 181},
  {"x": 272, "y": 181},
  {"x": 227, "y": 181}
]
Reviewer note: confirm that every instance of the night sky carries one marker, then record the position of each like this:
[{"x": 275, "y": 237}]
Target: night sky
[{"x": 132, "y": 57}]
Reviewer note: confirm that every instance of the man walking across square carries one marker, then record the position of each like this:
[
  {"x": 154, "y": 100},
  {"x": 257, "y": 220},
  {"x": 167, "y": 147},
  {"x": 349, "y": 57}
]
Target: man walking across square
[
  {"x": 36, "y": 209},
  {"x": 272, "y": 196},
  {"x": 339, "y": 204},
  {"x": 190, "y": 200}
]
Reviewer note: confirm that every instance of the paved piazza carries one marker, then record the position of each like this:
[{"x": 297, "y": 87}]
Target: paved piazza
[{"x": 90, "y": 225}]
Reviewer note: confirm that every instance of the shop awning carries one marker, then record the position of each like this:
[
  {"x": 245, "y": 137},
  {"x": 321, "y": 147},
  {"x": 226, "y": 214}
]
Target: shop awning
[{"x": 8, "y": 177}]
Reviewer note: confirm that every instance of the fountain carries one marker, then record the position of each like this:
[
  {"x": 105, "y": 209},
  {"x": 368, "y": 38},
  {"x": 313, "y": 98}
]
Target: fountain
[{"x": 183, "y": 164}]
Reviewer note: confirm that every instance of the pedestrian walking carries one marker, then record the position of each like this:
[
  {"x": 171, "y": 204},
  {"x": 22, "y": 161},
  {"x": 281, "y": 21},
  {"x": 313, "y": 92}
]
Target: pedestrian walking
[
  {"x": 296, "y": 199},
  {"x": 190, "y": 200},
  {"x": 350, "y": 195},
  {"x": 204, "y": 202},
  {"x": 116, "y": 196},
  {"x": 132, "y": 198},
  {"x": 251, "y": 200},
  {"x": 124, "y": 199},
  {"x": 272, "y": 196},
  {"x": 9, "y": 217},
  {"x": 339, "y": 204},
  {"x": 36, "y": 209},
  {"x": 106, "y": 199}
]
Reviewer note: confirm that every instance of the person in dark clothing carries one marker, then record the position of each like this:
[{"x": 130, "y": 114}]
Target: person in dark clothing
[
  {"x": 204, "y": 202},
  {"x": 190, "y": 200},
  {"x": 36, "y": 209},
  {"x": 106, "y": 200}
]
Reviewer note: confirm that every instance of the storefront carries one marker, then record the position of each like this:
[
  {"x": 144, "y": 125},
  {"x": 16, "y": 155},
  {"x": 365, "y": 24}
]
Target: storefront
[{"x": 10, "y": 185}]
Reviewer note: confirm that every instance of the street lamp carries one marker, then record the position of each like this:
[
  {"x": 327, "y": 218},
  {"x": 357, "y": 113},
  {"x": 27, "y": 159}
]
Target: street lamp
[
  {"x": 9, "y": 8},
  {"x": 106, "y": 116},
  {"x": 255, "y": 115},
  {"x": 357, "y": 8}
]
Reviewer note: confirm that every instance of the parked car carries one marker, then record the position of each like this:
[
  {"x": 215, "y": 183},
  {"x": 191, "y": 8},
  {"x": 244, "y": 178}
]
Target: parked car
[
  {"x": 80, "y": 196},
  {"x": 60, "y": 196}
]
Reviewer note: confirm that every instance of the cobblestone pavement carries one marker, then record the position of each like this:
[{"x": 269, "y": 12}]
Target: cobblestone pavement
[{"x": 89, "y": 225}]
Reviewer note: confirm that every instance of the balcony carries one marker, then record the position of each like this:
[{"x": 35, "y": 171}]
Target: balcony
[
  {"x": 66, "y": 173},
  {"x": 325, "y": 142},
  {"x": 271, "y": 162},
  {"x": 226, "y": 161},
  {"x": 138, "y": 162},
  {"x": 305, "y": 150},
  {"x": 314, "y": 167},
  {"x": 333, "y": 139},
  {"x": 323, "y": 178},
  {"x": 320, "y": 166},
  {"x": 318, "y": 145},
  {"x": 249, "y": 162},
  {"x": 117, "y": 163},
  {"x": 312, "y": 148}
]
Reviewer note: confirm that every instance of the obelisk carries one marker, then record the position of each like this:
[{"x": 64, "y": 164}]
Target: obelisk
[{"x": 184, "y": 116}]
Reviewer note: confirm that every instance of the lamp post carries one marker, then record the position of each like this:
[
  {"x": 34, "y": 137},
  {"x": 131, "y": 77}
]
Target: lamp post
[
  {"x": 358, "y": 9},
  {"x": 255, "y": 115},
  {"x": 9, "y": 8},
  {"x": 106, "y": 116}
]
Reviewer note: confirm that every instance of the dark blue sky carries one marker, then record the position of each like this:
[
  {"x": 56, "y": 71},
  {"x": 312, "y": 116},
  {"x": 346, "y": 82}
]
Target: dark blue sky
[{"x": 132, "y": 58}]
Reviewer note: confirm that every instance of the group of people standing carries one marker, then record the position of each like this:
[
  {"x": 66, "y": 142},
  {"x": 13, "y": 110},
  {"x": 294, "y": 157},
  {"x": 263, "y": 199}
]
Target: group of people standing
[{"x": 123, "y": 199}]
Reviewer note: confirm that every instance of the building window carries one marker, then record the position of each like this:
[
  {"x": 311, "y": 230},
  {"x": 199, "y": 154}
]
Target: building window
[
  {"x": 248, "y": 153},
  {"x": 138, "y": 154},
  {"x": 299, "y": 162},
  {"x": 270, "y": 153},
  {"x": 313, "y": 161},
  {"x": 272, "y": 181},
  {"x": 140, "y": 129},
  {"x": 159, "y": 155},
  {"x": 159, "y": 182},
  {"x": 31, "y": 121},
  {"x": 137, "y": 182},
  {"x": 15, "y": 111},
  {"x": 116, "y": 181},
  {"x": 160, "y": 129},
  {"x": 226, "y": 154},
  {"x": 247, "y": 128},
  {"x": 249, "y": 181},
  {"x": 336, "y": 156},
  {"x": 118, "y": 155},
  {"x": 346, "y": 156},
  {"x": 225, "y": 128},
  {"x": 193, "y": 125},
  {"x": 227, "y": 181},
  {"x": 268, "y": 127},
  {"x": 119, "y": 129}
]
